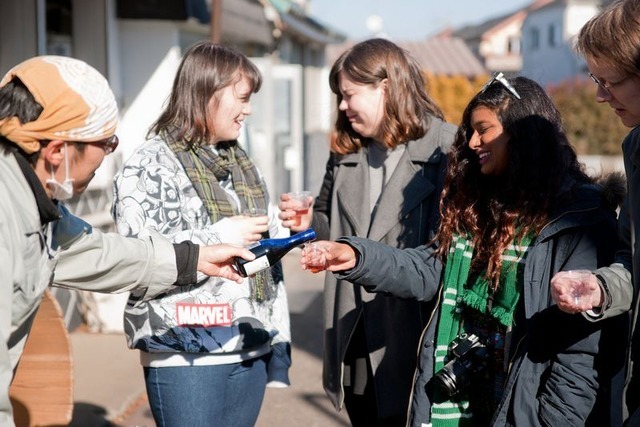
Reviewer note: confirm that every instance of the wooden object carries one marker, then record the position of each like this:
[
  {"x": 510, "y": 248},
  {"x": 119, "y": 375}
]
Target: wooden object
[{"x": 42, "y": 390}]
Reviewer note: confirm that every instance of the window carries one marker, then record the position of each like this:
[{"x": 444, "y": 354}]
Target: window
[
  {"x": 58, "y": 30},
  {"x": 535, "y": 39},
  {"x": 513, "y": 45},
  {"x": 552, "y": 36}
]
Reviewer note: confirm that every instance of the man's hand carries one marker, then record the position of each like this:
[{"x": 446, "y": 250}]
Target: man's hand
[{"x": 218, "y": 260}]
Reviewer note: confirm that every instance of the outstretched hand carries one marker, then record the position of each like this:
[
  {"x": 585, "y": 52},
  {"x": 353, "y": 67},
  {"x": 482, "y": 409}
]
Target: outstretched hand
[
  {"x": 218, "y": 260},
  {"x": 335, "y": 256}
]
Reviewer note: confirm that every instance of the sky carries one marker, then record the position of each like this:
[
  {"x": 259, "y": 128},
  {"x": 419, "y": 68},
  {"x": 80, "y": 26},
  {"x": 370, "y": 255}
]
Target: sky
[{"x": 406, "y": 19}]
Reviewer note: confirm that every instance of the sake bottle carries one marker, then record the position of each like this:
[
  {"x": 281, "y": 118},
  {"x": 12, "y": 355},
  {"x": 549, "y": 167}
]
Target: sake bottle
[{"x": 270, "y": 251}]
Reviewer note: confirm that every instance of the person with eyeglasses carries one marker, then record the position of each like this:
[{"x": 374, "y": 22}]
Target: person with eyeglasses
[
  {"x": 610, "y": 44},
  {"x": 57, "y": 122},
  {"x": 516, "y": 207}
]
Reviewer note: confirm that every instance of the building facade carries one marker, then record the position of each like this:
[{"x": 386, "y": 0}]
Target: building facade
[{"x": 548, "y": 35}]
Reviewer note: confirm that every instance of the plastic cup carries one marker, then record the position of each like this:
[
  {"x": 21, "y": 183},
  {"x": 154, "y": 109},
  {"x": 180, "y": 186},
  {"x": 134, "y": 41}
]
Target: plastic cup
[
  {"x": 578, "y": 280},
  {"x": 254, "y": 212},
  {"x": 316, "y": 258},
  {"x": 300, "y": 203}
]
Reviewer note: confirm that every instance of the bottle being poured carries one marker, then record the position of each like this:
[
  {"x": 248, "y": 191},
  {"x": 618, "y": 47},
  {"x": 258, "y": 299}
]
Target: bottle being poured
[{"x": 270, "y": 251}]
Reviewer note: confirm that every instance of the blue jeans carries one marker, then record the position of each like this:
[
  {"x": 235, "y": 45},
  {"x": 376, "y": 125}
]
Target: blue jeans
[{"x": 204, "y": 396}]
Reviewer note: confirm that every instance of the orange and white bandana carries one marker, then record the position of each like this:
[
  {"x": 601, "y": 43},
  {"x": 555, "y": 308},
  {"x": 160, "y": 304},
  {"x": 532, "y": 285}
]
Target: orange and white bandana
[{"x": 77, "y": 102}]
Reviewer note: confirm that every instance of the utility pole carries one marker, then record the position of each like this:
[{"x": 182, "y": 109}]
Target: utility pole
[{"x": 216, "y": 13}]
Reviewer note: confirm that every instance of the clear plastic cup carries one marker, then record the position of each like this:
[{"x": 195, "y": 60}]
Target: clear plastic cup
[
  {"x": 254, "y": 212},
  {"x": 316, "y": 258},
  {"x": 300, "y": 203},
  {"x": 578, "y": 280}
]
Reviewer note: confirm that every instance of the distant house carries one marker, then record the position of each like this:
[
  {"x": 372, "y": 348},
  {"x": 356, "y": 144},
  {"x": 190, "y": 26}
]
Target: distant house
[
  {"x": 497, "y": 42},
  {"x": 448, "y": 57},
  {"x": 548, "y": 35},
  {"x": 439, "y": 56}
]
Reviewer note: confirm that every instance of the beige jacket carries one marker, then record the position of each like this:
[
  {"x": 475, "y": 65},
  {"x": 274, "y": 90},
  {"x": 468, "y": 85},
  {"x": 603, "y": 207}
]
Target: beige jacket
[{"x": 82, "y": 258}]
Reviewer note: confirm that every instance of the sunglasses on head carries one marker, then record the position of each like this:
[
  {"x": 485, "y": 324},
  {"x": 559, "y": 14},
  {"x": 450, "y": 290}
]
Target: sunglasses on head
[{"x": 500, "y": 78}]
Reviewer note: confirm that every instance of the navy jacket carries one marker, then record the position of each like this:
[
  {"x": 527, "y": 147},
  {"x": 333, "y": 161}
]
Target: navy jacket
[{"x": 561, "y": 364}]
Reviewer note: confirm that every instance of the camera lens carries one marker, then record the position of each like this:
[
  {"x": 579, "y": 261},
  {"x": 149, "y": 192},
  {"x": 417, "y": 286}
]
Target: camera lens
[
  {"x": 446, "y": 381},
  {"x": 455, "y": 375}
]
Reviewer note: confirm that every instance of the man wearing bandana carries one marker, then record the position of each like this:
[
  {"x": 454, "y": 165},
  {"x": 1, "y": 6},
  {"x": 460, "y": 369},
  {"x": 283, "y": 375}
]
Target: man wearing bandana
[{"x": 57, "y": 123}]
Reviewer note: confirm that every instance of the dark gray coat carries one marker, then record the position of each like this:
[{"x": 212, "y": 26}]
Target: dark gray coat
[
  {"x": 406, "y": 217},
  {"x": 560, "y": 363},
  {"x": 624, "y": 286}
]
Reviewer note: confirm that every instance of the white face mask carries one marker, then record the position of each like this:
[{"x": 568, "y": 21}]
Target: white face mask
[{"x": 62, "y": 191}]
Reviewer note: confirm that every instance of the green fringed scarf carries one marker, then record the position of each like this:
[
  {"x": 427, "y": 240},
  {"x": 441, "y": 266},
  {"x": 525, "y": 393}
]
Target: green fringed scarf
[{"x": 456, "y": 292}]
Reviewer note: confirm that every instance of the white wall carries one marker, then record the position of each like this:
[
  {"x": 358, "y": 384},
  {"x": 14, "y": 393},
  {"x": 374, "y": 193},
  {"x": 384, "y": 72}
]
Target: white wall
[
  {"x": 275, "y": 134},
  {"x": 150, "y": 55},
  {"x": 319, "y": 100},
  {"x": 144, "y": 63},
  {"x": 320, "y": 115},
  {"x": 544, "y": 63},
  {"x": 497, "y": 42},
  {"x": 577, "y": 16},
  {"x": 495, "y": 49},
  {"x": 553, "y": 64}
]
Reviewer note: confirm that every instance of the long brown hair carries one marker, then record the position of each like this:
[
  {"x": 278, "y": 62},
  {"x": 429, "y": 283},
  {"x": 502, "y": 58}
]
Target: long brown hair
[
  {"x": 407, "y": 108},
  {"x": 205, "y": 69}
]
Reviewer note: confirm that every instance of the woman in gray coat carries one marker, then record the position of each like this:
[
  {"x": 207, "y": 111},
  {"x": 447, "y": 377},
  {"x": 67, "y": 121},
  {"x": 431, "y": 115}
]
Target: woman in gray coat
[
  {"x": 517, "y": 208},
  {"x": 382, "y": 181}
]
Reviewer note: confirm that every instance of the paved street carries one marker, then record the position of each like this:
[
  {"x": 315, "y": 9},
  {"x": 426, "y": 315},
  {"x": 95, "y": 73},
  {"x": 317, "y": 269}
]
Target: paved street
[{"x": 109, "y": 389}]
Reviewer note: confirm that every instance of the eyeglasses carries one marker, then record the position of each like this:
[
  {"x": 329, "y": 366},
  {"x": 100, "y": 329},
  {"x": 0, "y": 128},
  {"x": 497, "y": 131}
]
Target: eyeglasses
[
  {"x": 500, "y": 78},
  {"x": 109, "y": 145},
  {"x": 605, "y": 85}
]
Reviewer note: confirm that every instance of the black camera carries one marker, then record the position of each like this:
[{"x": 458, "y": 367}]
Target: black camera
[{"x": 467, "y": 357}]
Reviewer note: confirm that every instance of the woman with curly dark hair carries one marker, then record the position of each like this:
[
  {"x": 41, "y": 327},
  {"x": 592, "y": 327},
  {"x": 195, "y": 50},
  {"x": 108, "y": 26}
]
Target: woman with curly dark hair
[
  {"x": 497, "y": 191},
  {"x": 516, "y": 208}
]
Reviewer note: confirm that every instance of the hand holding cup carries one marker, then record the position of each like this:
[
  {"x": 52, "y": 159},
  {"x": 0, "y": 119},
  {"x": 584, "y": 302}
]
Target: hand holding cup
[
  {"x": 315, "y": 257},
  {"x": 249, "y": 227},
  {"x": 327, "y": 255},
  {"x": 576, "y": 291},
  {"x": 295, "y": 210},
  {"x": 256, "y": 213}
]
